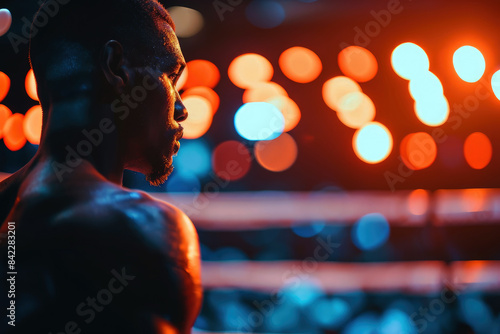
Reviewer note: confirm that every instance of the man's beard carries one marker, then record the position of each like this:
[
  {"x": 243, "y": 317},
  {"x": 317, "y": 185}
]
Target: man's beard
[{"x": 160, "y": 171}]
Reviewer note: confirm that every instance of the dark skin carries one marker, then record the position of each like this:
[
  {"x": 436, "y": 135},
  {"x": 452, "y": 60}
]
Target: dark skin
[{"x": 78, "y": 230}]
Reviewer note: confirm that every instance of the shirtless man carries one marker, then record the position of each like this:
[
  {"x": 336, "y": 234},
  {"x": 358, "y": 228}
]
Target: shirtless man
[{"x": 91, "y": 256}]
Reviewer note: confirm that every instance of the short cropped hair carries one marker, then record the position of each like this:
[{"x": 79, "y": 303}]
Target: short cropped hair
[{"x": 60, "y": 24}]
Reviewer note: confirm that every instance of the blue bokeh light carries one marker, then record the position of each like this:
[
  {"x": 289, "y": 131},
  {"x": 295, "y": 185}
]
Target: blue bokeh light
[
  {"x": 285, "y": 317},
  {"x": 308, "y": 230},
  {"x": 395, "y": 322},
  {"x": 265, "y": 14},
  {"x": 193, "y": 158},
  {"x": 331, "y": 313},
  {"x": 184, "y": 182},
  {"x": 259, "y": 121},
  {"x": 366, "y": 323},
  {"x": 476, "y": 313},
  {"x": 370, "y": 231},
  {"x": 300, "y": 292},
  {"x": 229, "y": 254}
]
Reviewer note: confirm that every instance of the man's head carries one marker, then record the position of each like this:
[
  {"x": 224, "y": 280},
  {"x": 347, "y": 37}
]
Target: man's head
[{"x": 119, "y": 54}]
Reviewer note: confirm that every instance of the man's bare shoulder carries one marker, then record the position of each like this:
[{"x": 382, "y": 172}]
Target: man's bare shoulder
[{"x": 111, "y": 207}]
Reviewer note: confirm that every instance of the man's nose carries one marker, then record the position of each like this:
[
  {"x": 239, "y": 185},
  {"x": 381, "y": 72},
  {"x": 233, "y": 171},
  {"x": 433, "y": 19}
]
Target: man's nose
[{"x": 180, "y": 111}]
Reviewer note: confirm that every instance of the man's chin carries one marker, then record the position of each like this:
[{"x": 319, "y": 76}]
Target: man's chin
[{"x": 160, "y": 174}]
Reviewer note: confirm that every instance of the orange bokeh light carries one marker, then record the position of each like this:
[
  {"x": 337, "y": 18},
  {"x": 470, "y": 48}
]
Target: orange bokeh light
[
  {"x": 182, "y": 80},
  {"x": 263, "y": 91},
  {"x": 358, "y": 63},
  {"x": 5, "y": 113},
  {"x": 32, "y": 124},
  {"x": 336, "y": 88},
  {"x": 205, "y": 92},
  {"x": 202, "y": 73},
  {"x": 277, "y": 155},
  {"x": 199, "y": 117},
  {"x": 418, "y": 202},
  {"x": 30, "y": 85},
  {"x": 250, "y": 69},
  {"x": 13, "y": 134},
  {"x": 478, "y": 150},
  {"x": 289, "y": 109},
  {"x": 418, "y": 150},
  {"x": 474, "y": 200},
  {"x": 4, "y": 85},
  {"x": 356, "y": 109},
  {"x": 300, "y": 64},
  {"x": 231, "y": 160}
]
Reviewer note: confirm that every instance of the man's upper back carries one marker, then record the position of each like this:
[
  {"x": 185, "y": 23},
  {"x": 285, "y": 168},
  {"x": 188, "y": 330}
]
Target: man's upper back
[{"x": 75, "y": 238}]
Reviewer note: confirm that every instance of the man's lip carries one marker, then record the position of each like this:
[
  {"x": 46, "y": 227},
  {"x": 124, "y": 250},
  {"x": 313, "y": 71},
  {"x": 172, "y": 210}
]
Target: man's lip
[
  {"x": 177, "y": 146},
  {"x": 180, "y": 133}
]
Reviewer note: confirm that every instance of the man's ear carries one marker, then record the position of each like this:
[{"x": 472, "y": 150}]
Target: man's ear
[{"x": 113, "y": 65}]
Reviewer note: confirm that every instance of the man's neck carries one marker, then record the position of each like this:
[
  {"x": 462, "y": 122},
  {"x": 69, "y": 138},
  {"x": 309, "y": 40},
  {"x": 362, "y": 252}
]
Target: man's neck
[{"x": 77, "y": 130}]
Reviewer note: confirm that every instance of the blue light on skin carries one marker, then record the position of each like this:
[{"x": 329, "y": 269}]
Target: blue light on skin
[
  {"x": 259, "y": 121},
  {"x": 193, "y": 158},
  {"x": 370, "y": 231},
  {"x": 265, "y": 14}
]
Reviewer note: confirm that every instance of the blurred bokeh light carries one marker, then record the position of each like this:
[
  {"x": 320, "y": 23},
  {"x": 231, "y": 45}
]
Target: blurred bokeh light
[
  {"x": 263, "y": 91},
  {"x": 249, "y": 69},
  {"x": 259, "y": 121},
  {"x": 337, "y": 88},
  {"x": 356, "y": 109},
  {"x": 469, "y": 63},
  {"x": 370, "y": 232},
  {"x": 183, "y": 183},
  {"x": 300, "y": 64},
  {"x": 13, "y": 132},
  {"x": 32, "y": 124},
  {"x": 478, "y": 150},
  {"x": 424, "y": 85},
  {"x": 289, "y": 109},
  {"x": 409, "y": 60},
  {"x": 30, "y": 85},
  {"x": 188, "y": 22},
  {"x": 5, "y": 21},
  {"x": 373, "y": 143},
  {"x": 265, "y": 14},
  {"x": 4, "y": 85},
  {"x": 418, "y": 150},
  {"x": 418, "y": 202},
  {"x": 194, "y": 157},
  {"x": 5, "y": 113},
  {"x": 231, "y": 160},
  {"x": 205, "y": 92},
  {"x": 277, "y": 155},
  {"x": 202, "y": 73},
  {"x": 358, "y": 63},
  {"x": 432, "y": 110},
  {"x": 495, "y": 84},
  {"x": 182, "y": 79},
  {"x": 200, "y": 116}
]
